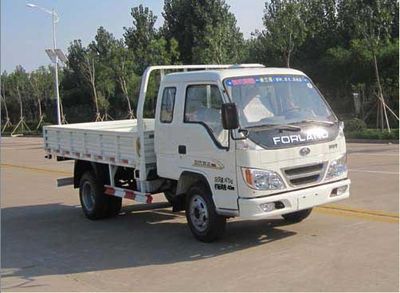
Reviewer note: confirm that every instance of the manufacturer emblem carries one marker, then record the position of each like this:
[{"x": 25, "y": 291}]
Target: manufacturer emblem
[{"x": 304, "y": 151}]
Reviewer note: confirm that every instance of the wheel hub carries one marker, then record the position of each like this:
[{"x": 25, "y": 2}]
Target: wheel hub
[
  {"x": 88, "y": 196},
  {"x": 199, "y": 213}
]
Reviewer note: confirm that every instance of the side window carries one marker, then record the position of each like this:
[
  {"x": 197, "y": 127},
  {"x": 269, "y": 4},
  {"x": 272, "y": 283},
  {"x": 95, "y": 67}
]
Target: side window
[
  {"x": 167, "y": 105},
  {"x": 203, "y": 105}
]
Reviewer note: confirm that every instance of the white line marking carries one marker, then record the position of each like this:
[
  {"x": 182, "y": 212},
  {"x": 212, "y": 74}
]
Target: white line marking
[{"x": 372, "y": 171}]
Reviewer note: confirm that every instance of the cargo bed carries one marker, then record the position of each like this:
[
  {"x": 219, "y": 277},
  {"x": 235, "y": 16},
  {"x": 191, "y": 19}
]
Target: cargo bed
[{"x": 110, "y": 142}]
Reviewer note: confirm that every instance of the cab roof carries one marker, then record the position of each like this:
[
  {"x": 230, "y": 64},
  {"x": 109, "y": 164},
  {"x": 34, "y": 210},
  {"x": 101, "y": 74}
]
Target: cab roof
[{"x": 221, "y": 74}]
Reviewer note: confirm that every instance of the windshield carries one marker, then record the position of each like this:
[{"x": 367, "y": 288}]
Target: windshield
[{"x": 277, "y": 100}]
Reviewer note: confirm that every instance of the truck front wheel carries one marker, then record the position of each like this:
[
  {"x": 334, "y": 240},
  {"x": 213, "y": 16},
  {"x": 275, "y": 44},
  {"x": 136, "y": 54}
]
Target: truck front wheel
[
  {"x": 95, "y": 204},
  {"x": 298, "y": 216},
  {"x": 204, "y": 222}
]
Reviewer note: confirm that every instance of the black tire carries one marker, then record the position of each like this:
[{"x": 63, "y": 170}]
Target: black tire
[
  {"x": 298, "y": 216},
  {"x": 114, "y": 206},
  {"x": 203, "y": 220},
  {"x": 95, "y": 204}
]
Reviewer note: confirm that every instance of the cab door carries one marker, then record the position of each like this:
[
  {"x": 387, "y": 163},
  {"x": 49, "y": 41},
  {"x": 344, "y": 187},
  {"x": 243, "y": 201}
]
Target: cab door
[
  {"x": 166, "y": 131},
  {"x": 203, "y": 145}
]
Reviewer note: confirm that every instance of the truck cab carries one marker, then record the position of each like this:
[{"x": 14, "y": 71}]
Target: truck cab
[
  {"x": 286, "y": 155},
  {"x": 226, "y": 141}
]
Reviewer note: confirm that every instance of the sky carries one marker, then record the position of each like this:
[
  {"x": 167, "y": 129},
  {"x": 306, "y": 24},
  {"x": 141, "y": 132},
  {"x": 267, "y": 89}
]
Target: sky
[{"x": 27, "y": 32}]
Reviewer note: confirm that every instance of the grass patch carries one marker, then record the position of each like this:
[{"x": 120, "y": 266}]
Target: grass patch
[{"x": 373, "y": 134}]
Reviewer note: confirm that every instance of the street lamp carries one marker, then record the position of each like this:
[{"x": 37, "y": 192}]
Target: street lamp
[{"x": 55, "y": 19}]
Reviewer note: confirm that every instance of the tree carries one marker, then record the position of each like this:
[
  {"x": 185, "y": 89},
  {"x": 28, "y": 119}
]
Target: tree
[
  {"x": 320, "y": 19},
  {"x": 147, "y": 45},
  {"x": 205, "y": 30},
  {"x": 7, "y": 124},
  {"x": 102, "y": 51},
  {"x": 345, "y": 46},
  {"x": 41, "y": 88},
  {"x": 284, "y": 26},
  {"x": 259, "y": 50},
  {"x": 372, "y": 22},
  {"x": 139, "y": 37},
  {"x": 102, "y": 45},
  {"x": 122, "y": 66},
  {"x": 89, "y": 72},
  {"x": 82, "y": 62},
  {"x": 18, "y": 86},
  {"x": 106, "y": 86}
]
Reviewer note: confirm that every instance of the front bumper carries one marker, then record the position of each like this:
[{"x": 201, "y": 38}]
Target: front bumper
[{"x": 250, "y": 208}]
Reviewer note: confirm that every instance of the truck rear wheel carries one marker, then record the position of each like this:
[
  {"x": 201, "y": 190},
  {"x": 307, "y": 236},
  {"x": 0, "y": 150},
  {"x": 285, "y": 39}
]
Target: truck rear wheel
[
  {"x": 95, "y": 204},
  {"x": 204, "y": 222},
  {"x": 298, "y": 216}
]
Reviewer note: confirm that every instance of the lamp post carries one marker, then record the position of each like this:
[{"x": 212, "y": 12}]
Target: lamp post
[{"x": 55, "y": 19}]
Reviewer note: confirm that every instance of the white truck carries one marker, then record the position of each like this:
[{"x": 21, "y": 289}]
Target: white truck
[{"x": 226, "y": 141}]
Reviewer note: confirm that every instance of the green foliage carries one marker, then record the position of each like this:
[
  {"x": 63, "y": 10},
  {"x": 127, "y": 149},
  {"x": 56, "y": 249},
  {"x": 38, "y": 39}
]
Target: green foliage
[
  {"x": 205, "y": 30},
  {"x": 335, "y": 42},
  {"x": 374, "y": 134},
  {"x": 284, "y": 26},
  {"x": 147, "y": 45},
  {"x": 41, "y": 81},
  {"x": 26, "y": 94},
  {"x": 354, "y": 124},
  {"x": 139, "y": 37},
  {"x": 260, "y": 50},
  {"x": 368, "y": 20},
  {"x": 104, "y": 104}
]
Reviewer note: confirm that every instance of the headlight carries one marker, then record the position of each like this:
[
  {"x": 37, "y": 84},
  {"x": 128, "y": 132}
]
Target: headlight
[
  {"x": 337, "y": 168},
  {"x": 262, "y": 179}
]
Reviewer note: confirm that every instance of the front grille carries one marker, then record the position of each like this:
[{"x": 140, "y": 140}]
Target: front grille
[{"x": 305, "y": 174}]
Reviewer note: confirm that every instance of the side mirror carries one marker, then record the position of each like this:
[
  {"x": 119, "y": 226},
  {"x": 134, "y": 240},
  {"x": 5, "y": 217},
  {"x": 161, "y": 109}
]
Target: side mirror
[{"x": 230, "y": 118}]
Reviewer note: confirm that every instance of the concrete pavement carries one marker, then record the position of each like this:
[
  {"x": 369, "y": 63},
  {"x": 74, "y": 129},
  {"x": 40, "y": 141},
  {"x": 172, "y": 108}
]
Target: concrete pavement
[{"x": 48, "y": 245}]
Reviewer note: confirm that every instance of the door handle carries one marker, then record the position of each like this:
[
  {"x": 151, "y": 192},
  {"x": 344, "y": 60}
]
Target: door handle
[{"x": 182, "y": 149}]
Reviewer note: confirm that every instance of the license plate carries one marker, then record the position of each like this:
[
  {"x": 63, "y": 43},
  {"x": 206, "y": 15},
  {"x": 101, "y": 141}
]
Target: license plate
[{"x": 309, "y": 200}]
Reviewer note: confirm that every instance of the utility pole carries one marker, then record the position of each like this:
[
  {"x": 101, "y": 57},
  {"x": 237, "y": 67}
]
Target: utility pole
[
  {"x": 55, "y": 56},
  {"x": 56, "y": 67}
]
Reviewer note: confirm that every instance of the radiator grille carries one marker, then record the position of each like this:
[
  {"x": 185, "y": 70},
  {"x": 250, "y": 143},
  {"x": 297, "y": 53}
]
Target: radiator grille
[{"x": 305, "y": 174}]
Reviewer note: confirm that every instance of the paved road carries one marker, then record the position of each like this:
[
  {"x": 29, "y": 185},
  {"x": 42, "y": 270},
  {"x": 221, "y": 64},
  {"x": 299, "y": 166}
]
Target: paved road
[{"x": 48, "y": 245}]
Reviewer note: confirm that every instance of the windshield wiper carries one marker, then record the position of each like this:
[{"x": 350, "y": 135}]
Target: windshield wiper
[
  {"x": 286, "y": 127},
  {"x": 316, "y": 121}
]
